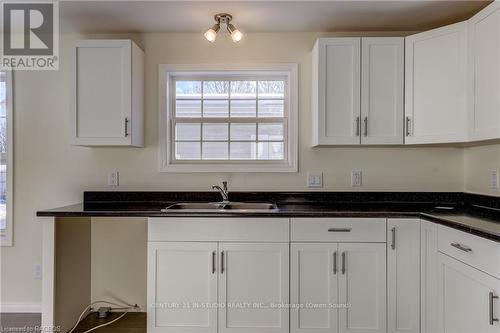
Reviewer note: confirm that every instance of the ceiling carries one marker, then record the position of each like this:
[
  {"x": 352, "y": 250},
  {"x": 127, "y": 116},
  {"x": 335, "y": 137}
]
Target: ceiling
[{"x": 262, "y": 16}]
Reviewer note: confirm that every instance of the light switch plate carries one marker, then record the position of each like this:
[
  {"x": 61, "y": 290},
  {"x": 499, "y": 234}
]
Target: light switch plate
[
  {"x": 494, "y": 179},
  {"x": 314, "y": 179},
  {"x": 37, "y": 272},
  {"x": 356, "y": 178},
  {"x": 114, "y": 178}
]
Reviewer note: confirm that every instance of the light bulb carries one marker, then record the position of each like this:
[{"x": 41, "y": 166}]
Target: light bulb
[
  {"x": 211, "y": 33},
  {"x": 236, "y": 35}
]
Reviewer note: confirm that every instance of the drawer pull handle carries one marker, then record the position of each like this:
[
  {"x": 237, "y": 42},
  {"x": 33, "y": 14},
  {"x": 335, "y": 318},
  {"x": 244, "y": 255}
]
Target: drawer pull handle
[
  {"x": 214, "y": 254},
  {"x": 393, "y": 241},
  {"x": 343, "y": 263},
  {"x": 461, "y": 247},
  {"x": 222, "y": 266},
  {"x": 492, "y": 313},
  {"x": 339, "y": 230},
  {"x": 335, "y": 263}
]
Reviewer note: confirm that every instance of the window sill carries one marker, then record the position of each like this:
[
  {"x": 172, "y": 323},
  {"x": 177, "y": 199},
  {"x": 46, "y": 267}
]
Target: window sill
[{"x": 198, "y": 168}]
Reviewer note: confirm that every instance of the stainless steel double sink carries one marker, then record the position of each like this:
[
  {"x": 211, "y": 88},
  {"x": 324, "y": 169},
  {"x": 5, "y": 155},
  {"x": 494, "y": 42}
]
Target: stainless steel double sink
[{"x": 201, "y": 207}]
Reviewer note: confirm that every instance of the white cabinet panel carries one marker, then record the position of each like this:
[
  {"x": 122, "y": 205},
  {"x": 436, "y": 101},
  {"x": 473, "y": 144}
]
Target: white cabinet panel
[
  {"x": 362, "y": 286},
  {"x": 253, "y": 281},
  {"x": 436, "y": 85},
  {"x": 483, "y": 254},
  {"x": 336, "y": 91},
  {"x": 332, "y": 229},
  {"x": 484, "y": 33},
  {"x": 403, "y": 275},
  {"x": 382, "y": 73},
  {"x": 358, "y": 91},
  {"x": 229, "y": 229},
  {"x": 465, "y": 298},
  {"x": 314, "y": 286},
  {"x": 108, "y": 93},
  {"x": 429, "y": 277},
  {"x": 181, "y": 275}
]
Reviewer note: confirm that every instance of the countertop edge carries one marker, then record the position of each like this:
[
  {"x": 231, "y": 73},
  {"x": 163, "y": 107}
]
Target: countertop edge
[{"x": 287, "y": 214}]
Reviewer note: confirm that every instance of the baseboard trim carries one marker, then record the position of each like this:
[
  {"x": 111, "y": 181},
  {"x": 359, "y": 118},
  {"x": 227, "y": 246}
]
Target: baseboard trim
[{"x": 20, "y": 307}]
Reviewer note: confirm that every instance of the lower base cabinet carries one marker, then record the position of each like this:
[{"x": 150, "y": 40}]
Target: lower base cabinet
[
  {"x": 338, "y": 287},
  {"x": 182, "y": 277},
  {"x": 210, "y": 287},
  {"x": 467, "y": 298},
  {"x": 403, "y": 275},
  {"x": 343, "y": 275},
  {"x": 253, "y": 286}
]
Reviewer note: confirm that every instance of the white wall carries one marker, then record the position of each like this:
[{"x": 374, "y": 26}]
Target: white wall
[
  {"x": 50, "y": 173},
  {"x": 479, "y": 162}
]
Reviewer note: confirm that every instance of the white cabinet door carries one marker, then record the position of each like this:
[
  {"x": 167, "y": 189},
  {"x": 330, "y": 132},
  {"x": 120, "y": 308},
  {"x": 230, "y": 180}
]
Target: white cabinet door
[
  {"x": 436, "y": 85},
  {"x": 107, "y": 93},
  {"x": 253, "y": 284},
  {"x": 362, "y": 287},
  {"x": 382, "y": 73},
  {"x": 336, "y": 91},
  {"x": 466, "y": 298},
  {"x": 314, "y": 277},
  {"x": 484, "y": 29},
  {"x": 403, "y": 275},
  {"x": 428, "y": 277},
  {"x": 180, "y": 276}
]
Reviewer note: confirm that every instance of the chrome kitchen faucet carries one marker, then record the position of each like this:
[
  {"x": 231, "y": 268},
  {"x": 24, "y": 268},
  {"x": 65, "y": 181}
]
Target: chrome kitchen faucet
[{"x": 223, "y": 191}]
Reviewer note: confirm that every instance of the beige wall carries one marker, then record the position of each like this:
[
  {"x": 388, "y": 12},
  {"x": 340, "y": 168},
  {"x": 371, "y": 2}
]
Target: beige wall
[
  {"x": 479, "y": 162},
  {"x": 50, "y": 173}
]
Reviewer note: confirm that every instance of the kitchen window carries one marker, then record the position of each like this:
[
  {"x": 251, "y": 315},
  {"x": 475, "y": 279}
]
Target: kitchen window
[
  {"x": 231, "y": 120},
  {"x": 6, "y": 158}
]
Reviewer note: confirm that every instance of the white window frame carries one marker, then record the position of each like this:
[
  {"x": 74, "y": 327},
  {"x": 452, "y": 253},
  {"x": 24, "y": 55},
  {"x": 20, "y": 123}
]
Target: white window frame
[
  {"x": 6, "y": 235},
  {"x": 167, "y": 73}
]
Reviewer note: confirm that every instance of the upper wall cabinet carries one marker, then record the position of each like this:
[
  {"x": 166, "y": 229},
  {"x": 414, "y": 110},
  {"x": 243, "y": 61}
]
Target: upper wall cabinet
[
  {"x": 357, "y": 93},
  {"x": 484, "y": 66},
  {"x": 436, "y": 85},
  {"x": 382, "y": 72},
  {"x": 336, "y": 91},
  {"x": 108, "y": 93}
]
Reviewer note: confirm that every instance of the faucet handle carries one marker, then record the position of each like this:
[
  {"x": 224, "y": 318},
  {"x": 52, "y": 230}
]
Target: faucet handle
[{"x": 224, "y": 185}]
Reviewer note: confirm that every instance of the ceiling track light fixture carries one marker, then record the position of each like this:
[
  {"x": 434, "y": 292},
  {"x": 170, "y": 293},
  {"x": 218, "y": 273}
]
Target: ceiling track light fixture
[{"x": 223, "y": 18}]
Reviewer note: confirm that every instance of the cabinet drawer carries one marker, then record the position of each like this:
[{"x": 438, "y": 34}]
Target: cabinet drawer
[
  {"x": 218, "y": 229},
  {"x": 475, "y": 251},
  {"x": 338, "y": 229}
]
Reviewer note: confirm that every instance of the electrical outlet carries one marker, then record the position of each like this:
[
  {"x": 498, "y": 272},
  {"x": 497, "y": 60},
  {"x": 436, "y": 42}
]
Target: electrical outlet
[
  {"x": 356, "y": 178},
  {"x": 494, "y": 179},
  {"x": 114, "y": 178},
  {"x": 37, "y": 272},
  {"x": 314, "y": 179}
]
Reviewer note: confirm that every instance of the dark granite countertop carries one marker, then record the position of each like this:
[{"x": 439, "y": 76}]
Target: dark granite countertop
[{"x": 468, "y": 211}]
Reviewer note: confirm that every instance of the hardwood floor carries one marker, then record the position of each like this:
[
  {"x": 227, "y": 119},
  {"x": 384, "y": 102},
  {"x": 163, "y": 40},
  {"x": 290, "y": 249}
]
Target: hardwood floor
[
  {"x": 133, "y": 322},
  {"x": 19, "y": 322}
]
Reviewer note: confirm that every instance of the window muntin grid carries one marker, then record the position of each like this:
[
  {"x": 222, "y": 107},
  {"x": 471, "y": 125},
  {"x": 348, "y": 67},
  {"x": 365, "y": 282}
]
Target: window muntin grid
[{"x": 227, "y": 119}]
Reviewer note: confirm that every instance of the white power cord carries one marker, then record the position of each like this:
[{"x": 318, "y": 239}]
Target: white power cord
[{"x": 87, "y": 308}]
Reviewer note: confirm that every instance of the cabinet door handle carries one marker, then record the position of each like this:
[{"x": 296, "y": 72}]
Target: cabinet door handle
[
  {"x": 343, "y": 263},
  {"x": 126, "y": 127},
  {"x": 358, "y": 126},
  {"x": 461, "y": 247},
  {"x": 492, "y": 297},
  {"x": 393, "y": 240},
  {"x": 339, "y": 230},
  {"x": 222, "y": 266},
  {"x": 214, "y": 256},
  {"x": 366, "y": 126},
  {"x": 408, "y": 121},
  {"x": 335, "y": 263}
]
